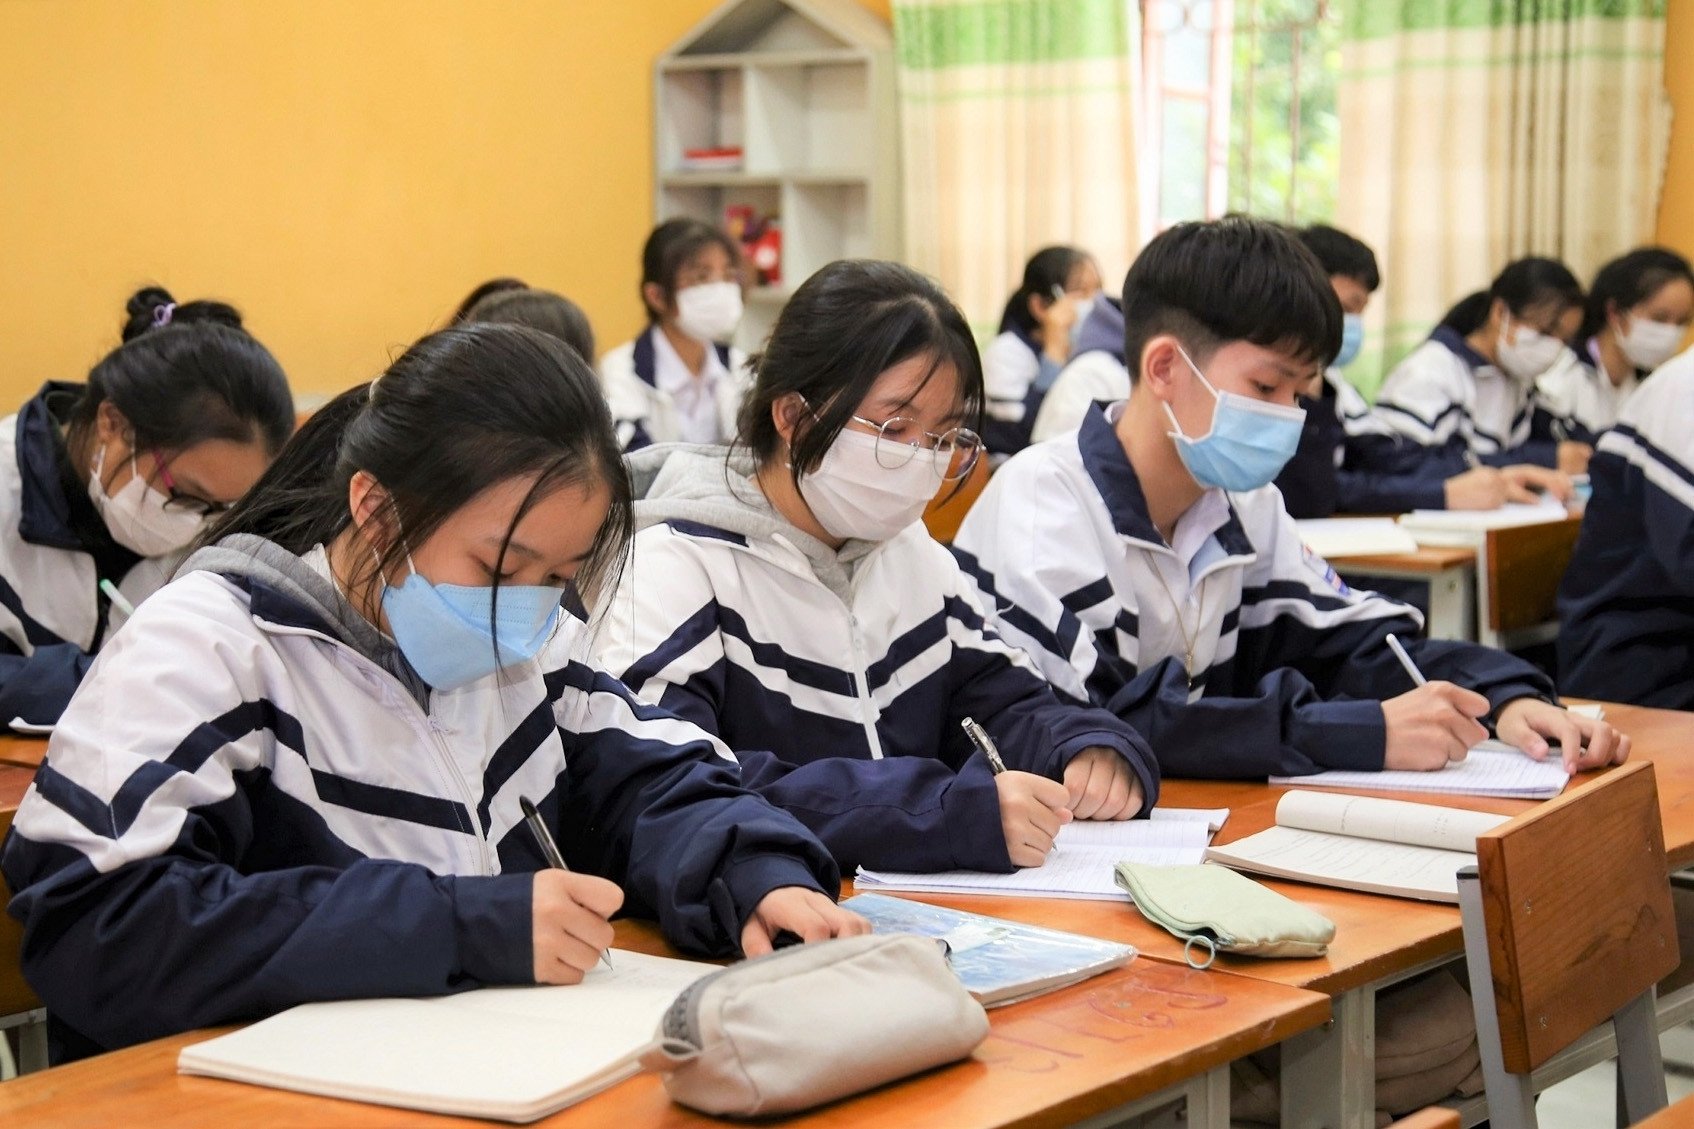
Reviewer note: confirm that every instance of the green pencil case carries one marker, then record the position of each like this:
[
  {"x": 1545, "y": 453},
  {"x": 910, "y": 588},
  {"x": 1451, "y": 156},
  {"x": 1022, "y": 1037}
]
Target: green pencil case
[{"x": 1214, "y": 909}]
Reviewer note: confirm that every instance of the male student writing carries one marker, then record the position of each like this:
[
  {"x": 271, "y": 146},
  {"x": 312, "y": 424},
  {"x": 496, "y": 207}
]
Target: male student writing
[{"x": 1147, "y": 565}]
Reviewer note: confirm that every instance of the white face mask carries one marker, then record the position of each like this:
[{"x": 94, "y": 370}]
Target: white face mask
[
  {"x": 709, "y": 312},
  {"x": 853, "y": 495},
  {"x": 136, "y": 515},
  {"x": 1084, "y": 308},
  {"x": 1530, "y": 355},
  {"x": 1649, "y": 344}
]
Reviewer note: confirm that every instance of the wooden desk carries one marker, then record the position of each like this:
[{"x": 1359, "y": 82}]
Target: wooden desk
[
  {"x": 24, "y": 752},
  {"x": 1450, "y": 574},
  {"x": 14, "y": 782},
  {"x": 1130, "y": 1040}
]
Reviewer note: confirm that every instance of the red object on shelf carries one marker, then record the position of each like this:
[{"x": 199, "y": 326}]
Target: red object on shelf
[{"x": 720, "y": 157}]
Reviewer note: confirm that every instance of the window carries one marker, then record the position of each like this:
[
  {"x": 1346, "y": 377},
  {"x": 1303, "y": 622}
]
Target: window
[{"x": 1239, "y": 109}]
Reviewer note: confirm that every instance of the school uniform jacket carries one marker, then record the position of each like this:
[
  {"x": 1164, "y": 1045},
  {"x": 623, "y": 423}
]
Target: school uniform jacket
[
  {"x": 253, "y": 803},
  {"x": 1096, "y": 372},
  {"x": 54, "y": 551},
  {"x": 642, "y": 412},
  {"x": 1626, "y": 606},
  {"x": 839, "y": 679},
  {"x": 1580, "y": 396},
  {"x": 1289, "y": 662},
  {"x": 1350, "y": 461},
  {"x": 1447, "y": 396}
]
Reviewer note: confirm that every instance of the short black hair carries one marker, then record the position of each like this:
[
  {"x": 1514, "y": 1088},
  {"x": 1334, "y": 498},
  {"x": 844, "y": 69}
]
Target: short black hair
[
  {"x": 1232, "y": 279},
  {"x": 1523, "y": 285},
  {"x": 551, "y": 313},
  {"x": 668, "y": 250},
  {"x": 1629, "y": 280},
  {"x": 1342, "y": 254}
]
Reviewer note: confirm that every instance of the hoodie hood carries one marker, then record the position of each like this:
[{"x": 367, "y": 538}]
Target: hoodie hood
[
  {"x": 1102, "y": 331},
  {"x": 297, "y": 591},
  {"x": 681, "y": 483}
]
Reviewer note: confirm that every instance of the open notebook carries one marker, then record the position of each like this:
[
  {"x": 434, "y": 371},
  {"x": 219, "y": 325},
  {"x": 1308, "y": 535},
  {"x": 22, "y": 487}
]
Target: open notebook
[
  {"x": 1082, "y": 863},
  {"x": 1464, "y": 527},
  {"x": 1337, "y": 537},
  {"x": 1359, "y": 843},
  {"x": 511, "y": 1054},
  {"x": 1493, "y": 768},
  {"x": 998, "y": 961}
]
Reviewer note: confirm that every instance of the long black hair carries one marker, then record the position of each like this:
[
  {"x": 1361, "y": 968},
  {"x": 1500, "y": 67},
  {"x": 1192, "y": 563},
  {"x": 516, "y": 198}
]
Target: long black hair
[
  {"x": 185, "y": 379},
  {"x": 848, "y": 324},
  {"x": 1627, "y": 281},
  {"x": 668, "y": 249},
  {"x": 460, "y": 411},
  {"x": 1047, "y": 268},
  {"x": 1524, "y": 285}
]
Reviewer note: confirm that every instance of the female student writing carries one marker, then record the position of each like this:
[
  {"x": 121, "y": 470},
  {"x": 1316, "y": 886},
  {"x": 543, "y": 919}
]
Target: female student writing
[
  {"x": 297, "y": 776},
  {"x": 103, "y": 483},
  {"x": 785, "y": 596},
  {"x": 1061, "y": 286},
  {"x": 1468, "y": 393},
  {"x": 1637, "y": 314},
  {"x": 680, "y": 379}
]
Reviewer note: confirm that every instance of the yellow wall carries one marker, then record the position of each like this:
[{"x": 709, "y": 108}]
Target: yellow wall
[
  {"x": 1676, "y": 207},
  {"x": 343, "y": 172}
]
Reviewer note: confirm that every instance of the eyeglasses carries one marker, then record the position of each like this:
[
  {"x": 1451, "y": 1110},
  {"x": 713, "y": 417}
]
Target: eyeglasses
[
  {"x": 898, "y": 441},
  {"x": 177, "y": 500}
]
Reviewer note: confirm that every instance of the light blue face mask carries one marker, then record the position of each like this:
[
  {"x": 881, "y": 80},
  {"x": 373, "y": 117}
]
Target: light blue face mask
[
  {"x": 1352, "y": 339},
  {"x": 443, "y": 629},
  {"x": 1249, "y": 443}
]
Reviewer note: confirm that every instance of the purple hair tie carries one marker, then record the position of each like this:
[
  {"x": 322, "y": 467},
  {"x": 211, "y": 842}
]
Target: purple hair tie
[{"x": 162, "y": 314}]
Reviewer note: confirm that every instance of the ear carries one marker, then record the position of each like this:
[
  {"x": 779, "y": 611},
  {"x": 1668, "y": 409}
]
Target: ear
[
  {"x": 110, "y": 424},
  {"x": 1499, "y": 314},
  {"x": 1162, "y": 367},
  {"x": 1038, "y": 305},
  {"x": 368, "y": 502},
  {"x": 788, "y": 412},
  {"x": 654, "y": 295}
]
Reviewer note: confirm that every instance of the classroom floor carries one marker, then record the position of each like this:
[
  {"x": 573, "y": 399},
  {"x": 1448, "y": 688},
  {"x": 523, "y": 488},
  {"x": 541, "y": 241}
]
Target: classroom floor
[{"x": 1588, "y": 1100}]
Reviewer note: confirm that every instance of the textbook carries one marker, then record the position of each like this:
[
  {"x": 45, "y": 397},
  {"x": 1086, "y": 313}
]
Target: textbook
[
  {"x": 1492, "y": 768},
  {"x": 998, "y": 961},
  {"x": 1335, "y": 537},
  {"x": 510, "y": 1054},
  {"x": 1465, "y": 527},
  {"x": 1392, "y": 847},
  {"x": 1083, "y": 861}
]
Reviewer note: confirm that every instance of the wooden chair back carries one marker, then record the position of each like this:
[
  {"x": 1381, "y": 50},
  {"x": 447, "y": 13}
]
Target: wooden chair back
[
  {"x": 1526, "y": 564},
  {"x": 1576, "y": 896},
  {"x": 947, "y": 512},
  {"x": 15, "y": 994}
]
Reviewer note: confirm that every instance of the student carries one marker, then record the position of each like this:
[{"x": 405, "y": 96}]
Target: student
[
  {"x": 103, "y": 484},
  {"x": 680, "y": 379},
  {"x": 1061, "y": 286},
  {"x": 311, "y": 791},
  {"x": 1349, "y": 460},
  {"x": 1147, "y": 564},
  {"x": 492, "y": 286},
  {"x": 1096, "y": 372},
  {"x": 551, "y": 313},
  {"x": 785, "y": 596},
  {"x": 1468, "y": 393},
  {"x": 1637, "y": 314},
  {"x": 1626, "y": 605}
]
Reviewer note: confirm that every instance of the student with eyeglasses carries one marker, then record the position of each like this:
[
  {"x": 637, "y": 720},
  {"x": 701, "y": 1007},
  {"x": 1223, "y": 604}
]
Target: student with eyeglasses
[
  {"x": 103, "y": 484},
  {"x": 785, "y": 595}
]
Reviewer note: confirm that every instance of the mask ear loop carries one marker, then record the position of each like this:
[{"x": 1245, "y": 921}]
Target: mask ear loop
[{"x": 1176, "y": 432}]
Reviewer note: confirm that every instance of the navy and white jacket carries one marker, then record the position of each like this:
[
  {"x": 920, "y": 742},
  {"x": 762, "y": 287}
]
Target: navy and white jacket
[
  {"x": 644, "y": 413},
  {"x": 1626, "y": 607},
  {"x": 1447, "y": 396},
  {"x": 1580, "y": 396},
  {"x": 839, "y": 679},
  {"x": 54, "y": 551},
  {"x": 1095, "y": 373},
  {"x": 1016, "y": 374},
  {"x": 1289, "y": 662},
  {"x": 253, "y": 802},
  {"x": 1350, "y": 461}
]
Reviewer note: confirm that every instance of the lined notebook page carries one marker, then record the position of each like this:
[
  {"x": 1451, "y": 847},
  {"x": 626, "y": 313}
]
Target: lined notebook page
[
  {"x": 1491, "y": 769},
  {"x": 1080, "y": 865}
]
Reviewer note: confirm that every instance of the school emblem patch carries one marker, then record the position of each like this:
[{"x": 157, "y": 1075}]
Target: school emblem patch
[{"x": 1322, "y": 567}]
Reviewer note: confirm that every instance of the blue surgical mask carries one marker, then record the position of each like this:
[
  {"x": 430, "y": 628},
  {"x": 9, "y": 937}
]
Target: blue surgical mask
[
  {"x": 443, "y": 629},
  {"x": 1352, "y": 339},
  {"x": 1249, "y": 443}
]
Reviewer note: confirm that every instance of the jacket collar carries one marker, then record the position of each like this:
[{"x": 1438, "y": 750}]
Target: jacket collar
[
  {"x": 645, "y": 356},
  {"x": 55, "y": 509},
  {"x": 1454, "y": 342},
  {"x": 1109, "y": 468}
]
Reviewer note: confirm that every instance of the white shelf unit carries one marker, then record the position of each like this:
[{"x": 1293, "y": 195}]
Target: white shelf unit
[{"x": 806, "y": 89}]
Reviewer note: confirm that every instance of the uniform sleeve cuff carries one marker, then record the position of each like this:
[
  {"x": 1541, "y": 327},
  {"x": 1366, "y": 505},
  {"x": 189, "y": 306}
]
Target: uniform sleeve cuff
[
  {"x": 1348, "y": 734},
  {"x": 492, "y": 919}
]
